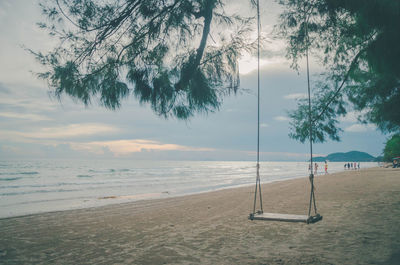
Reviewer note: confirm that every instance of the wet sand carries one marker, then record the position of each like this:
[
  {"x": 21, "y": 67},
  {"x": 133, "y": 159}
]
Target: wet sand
[{"x": 361, "y": 225}]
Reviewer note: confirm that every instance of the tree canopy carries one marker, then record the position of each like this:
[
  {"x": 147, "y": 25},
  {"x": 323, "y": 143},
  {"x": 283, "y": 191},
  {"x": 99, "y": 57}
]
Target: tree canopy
[
  {"x": 357, "y": 43},
  {"x": 158, "y": 50},
  {"x": 392, "y": 148},
  {"x": 180, "y": 56}
]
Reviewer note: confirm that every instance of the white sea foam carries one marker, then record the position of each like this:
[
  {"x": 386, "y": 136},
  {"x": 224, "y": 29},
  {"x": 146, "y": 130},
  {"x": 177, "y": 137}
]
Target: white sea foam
[{"x": 28, "y": 187}]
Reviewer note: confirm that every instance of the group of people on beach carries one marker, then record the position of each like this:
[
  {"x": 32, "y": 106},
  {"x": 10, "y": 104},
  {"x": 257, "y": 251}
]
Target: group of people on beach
[
  {"x": 316, "y": 168},
  {"x": 349, "y": 165},
  {"x": 352, "y": 165}
]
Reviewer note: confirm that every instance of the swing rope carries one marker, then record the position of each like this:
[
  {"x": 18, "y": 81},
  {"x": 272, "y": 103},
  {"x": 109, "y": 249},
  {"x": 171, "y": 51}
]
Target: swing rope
[
  {"x": 312, "y": 194},
  {"x": 258, "y": 180},
  {"x": 277, "y": 217}
]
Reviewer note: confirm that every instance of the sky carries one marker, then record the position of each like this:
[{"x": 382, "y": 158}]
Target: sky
[{"x": 33, "y": 125}]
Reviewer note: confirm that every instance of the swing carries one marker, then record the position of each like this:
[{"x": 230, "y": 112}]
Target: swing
[{"x": 260, "y": 215}]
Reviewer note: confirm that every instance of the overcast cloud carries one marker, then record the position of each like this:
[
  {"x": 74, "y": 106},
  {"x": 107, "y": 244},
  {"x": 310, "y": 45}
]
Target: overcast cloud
[{"x": 34, "y": 125}]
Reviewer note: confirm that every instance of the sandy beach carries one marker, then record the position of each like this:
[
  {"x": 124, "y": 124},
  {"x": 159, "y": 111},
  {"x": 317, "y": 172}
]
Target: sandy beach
[{"x": 361, "y": 225}]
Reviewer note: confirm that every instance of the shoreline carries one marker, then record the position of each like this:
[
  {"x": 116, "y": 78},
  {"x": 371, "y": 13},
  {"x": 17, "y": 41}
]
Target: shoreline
[
  {"x": 50, "y": 191},
  {"x": 164, "y": 198},
  {"x": 361, "y": 225},
  {"x": 69, "y": 204}
]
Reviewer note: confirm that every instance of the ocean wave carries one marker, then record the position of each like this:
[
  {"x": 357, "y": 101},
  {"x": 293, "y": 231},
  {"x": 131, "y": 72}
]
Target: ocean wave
[
  {"x": 84, "y": 176},
  {"x": 10, "y": 179},
  {"x": 113, "y": 170},
  {"x": 29, "y": 173},
  {"x": 36, "y": 191},
  {"x": 59, "y": 184},
  {"x": 19, "y": 173}
]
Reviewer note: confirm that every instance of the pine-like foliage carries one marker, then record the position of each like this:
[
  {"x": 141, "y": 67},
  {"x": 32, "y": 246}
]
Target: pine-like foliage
[
  {"x": 358, "y": 44},
  {"x": 158, "y": 50}
]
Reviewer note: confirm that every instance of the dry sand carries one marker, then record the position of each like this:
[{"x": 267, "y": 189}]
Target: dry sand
[{"x": 361, "y": 225}]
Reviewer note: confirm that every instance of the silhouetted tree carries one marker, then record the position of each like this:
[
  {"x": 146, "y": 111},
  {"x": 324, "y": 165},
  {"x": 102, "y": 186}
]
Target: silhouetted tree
[
  {"x": 357, "y": 42},
  {"x": 160, "y": 50}
]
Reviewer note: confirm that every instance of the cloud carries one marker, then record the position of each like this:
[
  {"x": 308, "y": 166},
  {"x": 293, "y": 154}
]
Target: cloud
[
  {"x": 264, "y": 125},
  {"x": 352, "y": 116},
  {"x": 28, "y": 104},
  {"x": 248, "y": 64},
  {"x": 12, "y": 136},
  {"x": 4, "y": 89},
  {"x": 284, "y": 156},
  {"x": 126, "y": 147},
  {"x": 295, "y": 96},
  {"x": 27, "y": 116},
  {"x": 4, "y": 8},
  {"x": 273, "y": 51},
  {"x": 11, "y": 149},
  {"x": 281, "y": 118},
  {"x": 70, "y": 131},
  {"x": 360, "y": 128}
]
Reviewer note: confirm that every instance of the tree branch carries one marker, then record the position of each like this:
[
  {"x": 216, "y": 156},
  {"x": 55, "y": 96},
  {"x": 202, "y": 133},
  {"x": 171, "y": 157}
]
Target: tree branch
[
  {"x": 346, "y": 77},
  {"x": 187, "y": 71}
]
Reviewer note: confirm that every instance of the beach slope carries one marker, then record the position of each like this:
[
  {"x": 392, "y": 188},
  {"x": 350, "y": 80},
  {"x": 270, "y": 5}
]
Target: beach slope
[{"x": 361, "y": 225}]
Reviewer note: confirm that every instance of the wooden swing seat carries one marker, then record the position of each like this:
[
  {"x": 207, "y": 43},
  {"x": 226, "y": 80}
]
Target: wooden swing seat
[{"x": 285, "y": 217}]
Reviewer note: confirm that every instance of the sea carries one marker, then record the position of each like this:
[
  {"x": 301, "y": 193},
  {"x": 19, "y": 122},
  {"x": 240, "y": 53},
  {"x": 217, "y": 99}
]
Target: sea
[{"x": 37, "y": 186}]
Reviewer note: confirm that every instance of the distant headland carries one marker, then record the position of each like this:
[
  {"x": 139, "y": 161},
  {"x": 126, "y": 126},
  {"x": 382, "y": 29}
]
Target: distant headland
[{"x": 352, "y": 156}]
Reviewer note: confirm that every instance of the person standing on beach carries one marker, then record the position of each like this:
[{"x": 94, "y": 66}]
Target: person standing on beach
[
  {"x": 326, "y": 167},
  {"x": 358, "y": 165},
  {"x": 315, "y": 168}
]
